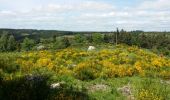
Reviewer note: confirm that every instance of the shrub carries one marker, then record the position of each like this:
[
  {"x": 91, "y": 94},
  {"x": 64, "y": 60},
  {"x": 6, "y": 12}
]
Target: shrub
[
  {"x": 62, "y": 43},
  {"x": 7, "y": 63},
  {"x": 88, "y": 70},
  {"x": 25, "y": 88},
  {"x": 151, "y": 89}
]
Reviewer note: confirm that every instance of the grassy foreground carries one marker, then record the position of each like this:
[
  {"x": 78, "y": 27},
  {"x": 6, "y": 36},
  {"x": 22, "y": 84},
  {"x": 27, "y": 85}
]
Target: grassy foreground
[{"x": 108, "y": 73}]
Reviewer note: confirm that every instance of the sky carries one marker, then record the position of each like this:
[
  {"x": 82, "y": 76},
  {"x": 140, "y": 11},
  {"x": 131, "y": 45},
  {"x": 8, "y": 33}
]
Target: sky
[{"x": 86, "y": 15}]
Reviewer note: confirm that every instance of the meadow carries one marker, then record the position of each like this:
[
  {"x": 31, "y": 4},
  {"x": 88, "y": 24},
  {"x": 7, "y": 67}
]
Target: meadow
[
  {"x": 110, "y": 72},
  {"x": 84, "y": 49}
]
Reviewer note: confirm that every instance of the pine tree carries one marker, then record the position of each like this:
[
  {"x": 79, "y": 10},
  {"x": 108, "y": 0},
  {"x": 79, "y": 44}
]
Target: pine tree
[
  {"x": 97, "y": 37},
  {"x": 80, "y": 38},
  {"x": 3, "y": 42},
  {"x": 117, "y": 35},
  {"x": 65, "y": 42},
  {"x": 11, "y": 43},
  {"x": 106, "y": 38},
  {"x": 27, "y": 44},
  {"x": 54, "y": 38}
]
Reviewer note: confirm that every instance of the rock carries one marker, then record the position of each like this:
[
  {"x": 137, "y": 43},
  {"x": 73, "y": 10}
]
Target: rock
[
  {"x": 91, "y": 48},
  {"x": 72, "y": 65},
  {"x": 57, "y": 85},
  {"x": 35, "y": 78},
  {"x": 41, "y": 47},
  {"x": 125, "y": 90},
  {"x": 98, "y": 87}
]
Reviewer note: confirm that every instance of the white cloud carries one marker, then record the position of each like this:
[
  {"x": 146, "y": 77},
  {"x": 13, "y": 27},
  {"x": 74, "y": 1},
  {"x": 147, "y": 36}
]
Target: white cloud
[
  {"x": 7, "y": 13},
  {"x": 155, "y": 5},
  {"x": 83, "y": 6},
  {"x": 90, "y": 15}
]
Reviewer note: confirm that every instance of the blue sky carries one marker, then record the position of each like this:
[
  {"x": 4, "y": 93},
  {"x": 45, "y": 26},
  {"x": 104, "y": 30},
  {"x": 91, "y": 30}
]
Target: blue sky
[{"x": 86, "y": 15}]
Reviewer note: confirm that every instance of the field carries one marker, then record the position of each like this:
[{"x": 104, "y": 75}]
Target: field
[
  {"x": 110, "y": 72},
  {"x": 84, "y": 49}
]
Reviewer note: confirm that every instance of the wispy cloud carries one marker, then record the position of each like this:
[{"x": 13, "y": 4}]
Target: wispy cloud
[{"x": 155, "y": 5}]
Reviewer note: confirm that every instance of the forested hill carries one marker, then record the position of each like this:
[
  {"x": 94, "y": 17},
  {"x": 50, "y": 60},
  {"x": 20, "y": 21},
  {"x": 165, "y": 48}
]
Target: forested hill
[
  {"x": 18, "y": 39},
  {"x": 33, "y": 33},
  {"x": 20, "y": 34}
]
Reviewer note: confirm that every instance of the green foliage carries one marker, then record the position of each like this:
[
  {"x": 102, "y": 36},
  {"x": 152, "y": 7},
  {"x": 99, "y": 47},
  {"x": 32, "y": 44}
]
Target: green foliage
[
  {"x": 89, "y": 70},
  {"x": 25, "y": 88},
  {"x": 106, "y": 38},
  {"x": 89, "y": 38},
  {"x": 14, "y": 83},
  {"x": 11, "y": 43},
  {"x": 7, "y": 43},
  {"x": 153, "y": 89},
  {"x": 62, "y": 43},
  {"x": 149, "y": 40},
  {"x": 35, "y": 84},
  {"x": 36, "y": 87},
  {"x": 86, "y": 74},
  {"x": 68, "y": 93},
  {"x": 65, "y": 41},
  {"x": 97, "y": 37},
  {"x": 28, "y": 44},
  {"x": 18, "y": 46},
  {"x": 54, "y": 38},
  {"x": 4, "y": 42},
  {"x": 7, "y": 63},
  {"x": 80, "y": 38}
]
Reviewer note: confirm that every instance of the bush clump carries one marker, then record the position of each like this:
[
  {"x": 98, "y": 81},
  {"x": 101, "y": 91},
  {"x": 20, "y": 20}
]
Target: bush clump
[{"x": 88, "y": 70}]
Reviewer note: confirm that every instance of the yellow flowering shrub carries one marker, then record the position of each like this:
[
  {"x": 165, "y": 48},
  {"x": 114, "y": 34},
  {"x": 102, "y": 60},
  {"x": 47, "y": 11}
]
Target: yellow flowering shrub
[
  {"x": 116, "y": 62},
  {"x": 160, "y": 62},
  {"x": 138, "y": 66},
  {"x": 165, "y": 74},
  {"x": 148, "y": 95},
  {"x": 42, "y": 62},
  {"x": 87, "y": 70},
  {"x": 109, "y": 69}
]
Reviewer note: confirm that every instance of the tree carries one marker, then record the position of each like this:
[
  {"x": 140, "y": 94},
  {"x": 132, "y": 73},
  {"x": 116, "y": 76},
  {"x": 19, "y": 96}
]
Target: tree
[
  {"x": 54, "y": 38},
  {"x": 61, "y": 43},
  {"x": 18, "y": 46},
  {"x": 97, "y": 38},
  {"x": 89, "y": 38},
  {"x": 65, "y": 41},
  {"x": 11, "y": 43},
  {"x": 117, "y": 35},
  {"x": 3, "y": 42},
  {"x": 106, "y": 38},
  {"x": 27, "y": 44},
  {"x": 80, "y": 38}
]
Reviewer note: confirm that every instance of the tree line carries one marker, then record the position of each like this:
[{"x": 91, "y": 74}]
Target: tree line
[{"x": 149, "y": 40}]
